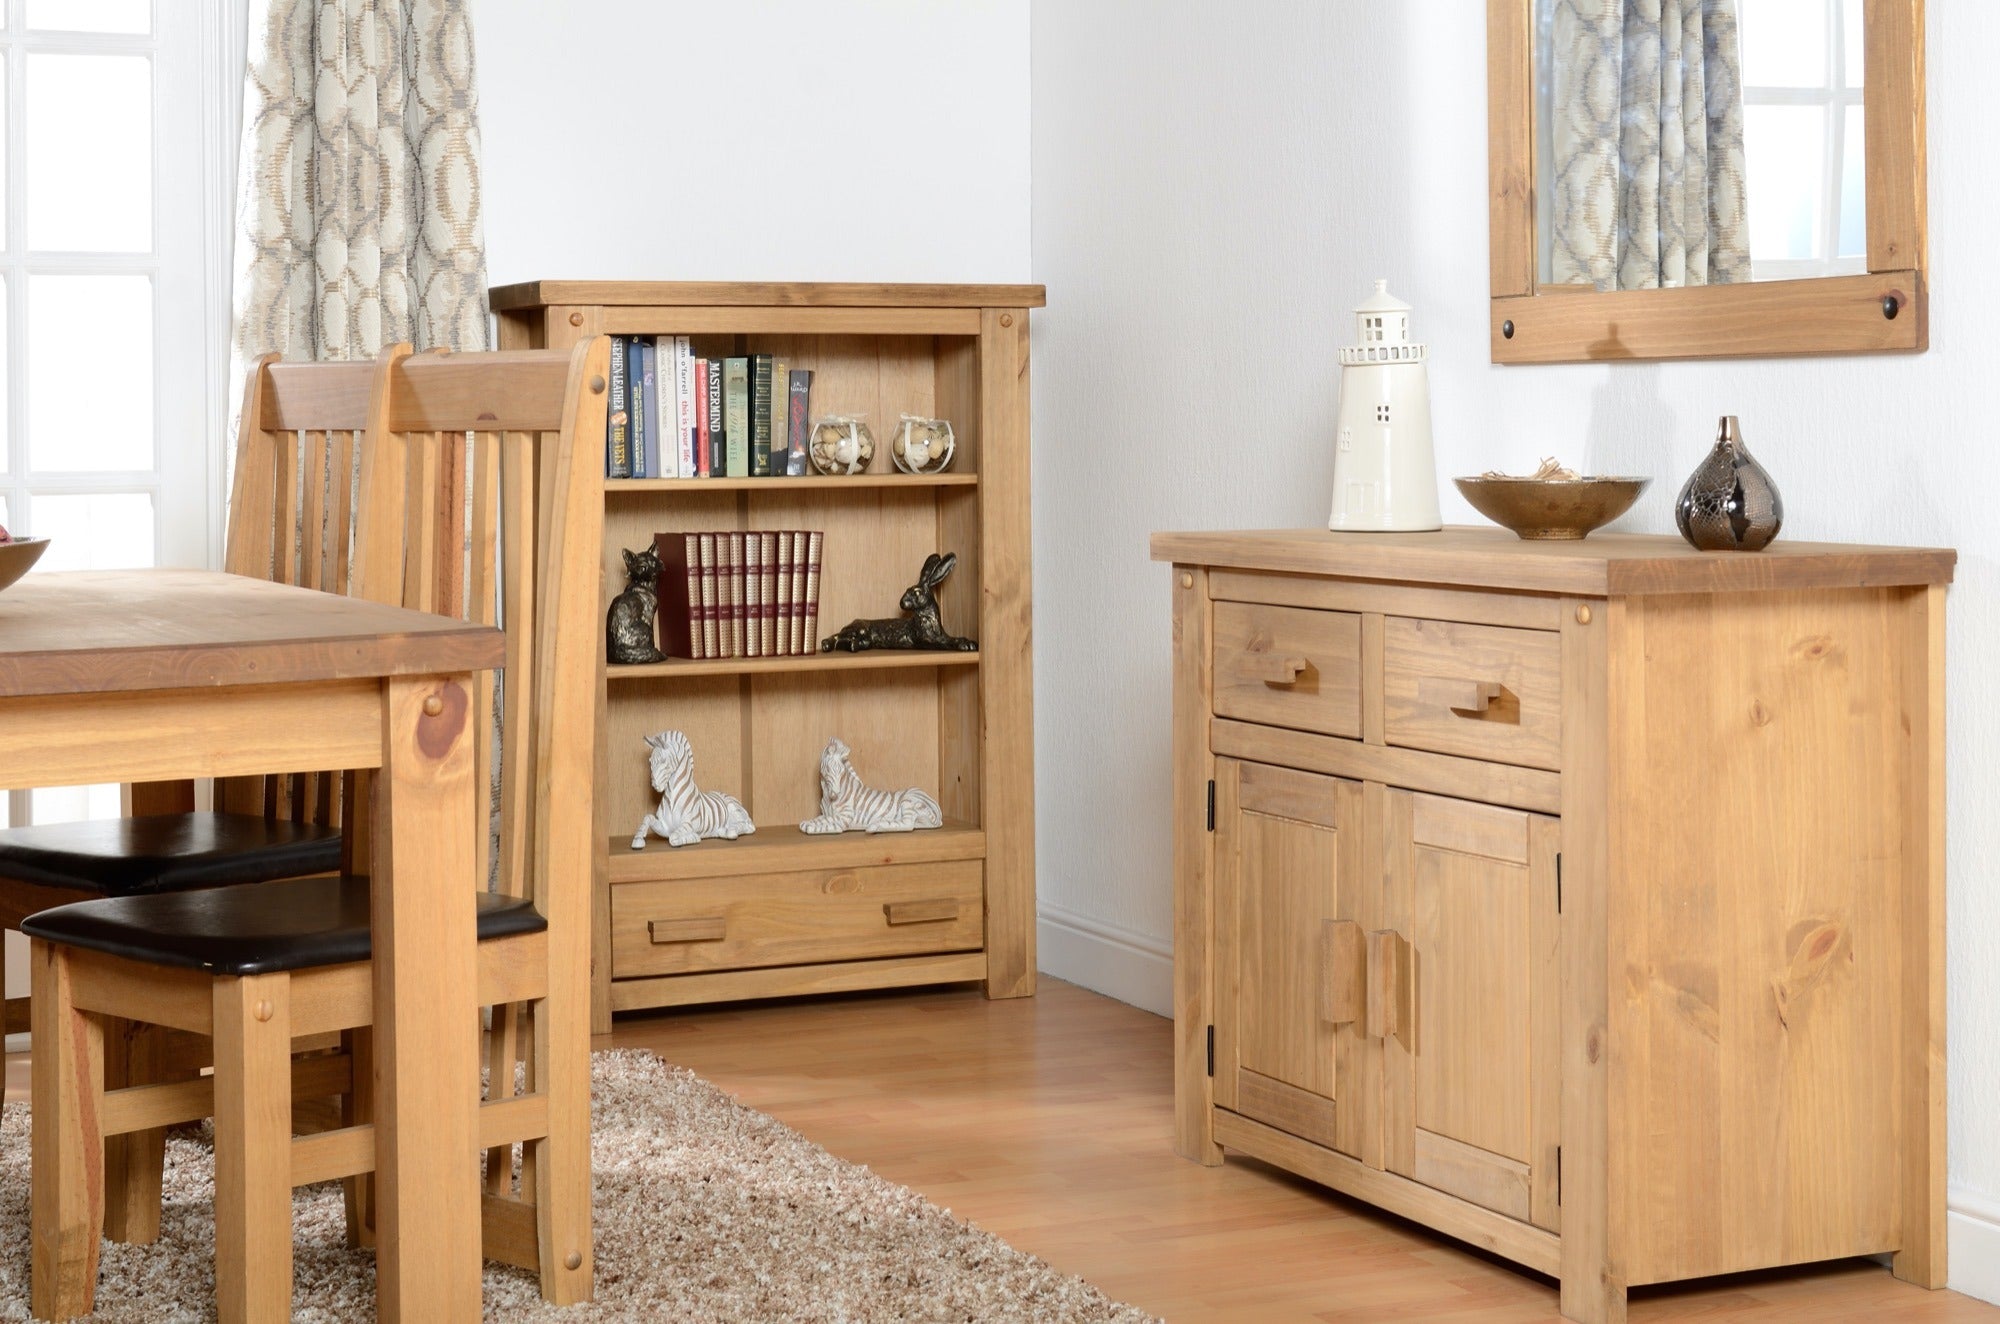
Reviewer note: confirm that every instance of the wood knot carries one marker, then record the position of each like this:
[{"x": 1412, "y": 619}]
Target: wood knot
[
  {"x": 840, "y": 884},
  {"x": 1759, "y": 714},
  {"x": 263, "y": 1011},
  {"x": 1815, "y": 945},
  {"x": 573, "y": 1260},
  {"x": 1817, "y": 648},
  {"x": 443, "y": 720},
  {"x": 1593, "y": 1045}
]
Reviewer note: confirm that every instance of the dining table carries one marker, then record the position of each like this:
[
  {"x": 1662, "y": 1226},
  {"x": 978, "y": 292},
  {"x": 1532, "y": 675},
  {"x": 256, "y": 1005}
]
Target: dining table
[{"x": 162, "y": 674}]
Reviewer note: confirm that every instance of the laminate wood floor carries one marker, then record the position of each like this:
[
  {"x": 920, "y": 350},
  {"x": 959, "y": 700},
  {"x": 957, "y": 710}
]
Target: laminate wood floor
[{"x": 1048, "y": 1122}]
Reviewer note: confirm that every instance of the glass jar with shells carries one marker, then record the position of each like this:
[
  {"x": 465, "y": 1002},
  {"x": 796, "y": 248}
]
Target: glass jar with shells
[
  {"x": 841, "y": 444},
  {"x": 922, "y": 445}
]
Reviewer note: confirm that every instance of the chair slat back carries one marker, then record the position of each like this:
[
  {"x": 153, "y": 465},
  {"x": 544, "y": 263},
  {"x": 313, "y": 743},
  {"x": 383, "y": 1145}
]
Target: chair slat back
[{"x": 291, "y": 515}]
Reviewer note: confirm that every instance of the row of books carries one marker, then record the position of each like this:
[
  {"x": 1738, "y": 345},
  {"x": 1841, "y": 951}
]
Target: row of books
[
  {"x": 673, "y": 415},
  {"x": 739, "y": 593}
]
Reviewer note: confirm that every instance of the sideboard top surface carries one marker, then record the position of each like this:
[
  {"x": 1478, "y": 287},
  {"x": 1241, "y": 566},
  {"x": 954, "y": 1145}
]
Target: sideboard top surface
[
  {"x": 792, "y": 294},
  {"x": 1602, "y": 565}
]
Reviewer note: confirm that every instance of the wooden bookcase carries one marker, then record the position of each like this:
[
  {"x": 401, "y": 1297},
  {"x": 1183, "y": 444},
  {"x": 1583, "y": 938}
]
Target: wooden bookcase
[{"x": 780, "y": 913}]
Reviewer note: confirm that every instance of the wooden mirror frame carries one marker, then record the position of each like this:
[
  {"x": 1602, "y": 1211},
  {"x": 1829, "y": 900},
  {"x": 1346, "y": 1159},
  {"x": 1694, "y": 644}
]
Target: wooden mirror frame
[{"x": 1885, "y": 309}]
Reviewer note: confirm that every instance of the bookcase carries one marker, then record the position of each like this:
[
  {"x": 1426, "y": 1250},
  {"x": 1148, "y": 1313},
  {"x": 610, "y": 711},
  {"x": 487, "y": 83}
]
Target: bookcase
[{"x": 781, "y": 913}]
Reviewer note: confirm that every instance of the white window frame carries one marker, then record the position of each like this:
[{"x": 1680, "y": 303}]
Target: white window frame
[{"x": 1834, "y": 98}]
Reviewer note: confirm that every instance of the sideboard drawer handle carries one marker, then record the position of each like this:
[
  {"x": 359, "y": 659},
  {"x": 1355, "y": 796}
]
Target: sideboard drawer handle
[
  {"x": 707, "y": 928},
  {"x": 1274, "y": 670},
  {"x": 938, "y": 911},
  {"x": 1467, "y": 698}
]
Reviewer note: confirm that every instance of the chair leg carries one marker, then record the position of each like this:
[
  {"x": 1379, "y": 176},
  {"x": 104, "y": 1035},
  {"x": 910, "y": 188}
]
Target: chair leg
[
  {"x": 560, "y": 1069},
  {"x": 135, "y": 1163},
  {"x": 357, "y": 1107},
  {"x": 66, "y": 1192},
  {"x": 253, "y": 1148}
]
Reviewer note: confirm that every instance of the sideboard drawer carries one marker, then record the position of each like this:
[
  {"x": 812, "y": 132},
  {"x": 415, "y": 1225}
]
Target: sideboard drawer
[
  {"x": 1481, "y": 691},
  {"x": 698, "y": 924},
  {"x": 1288, "y": 666}
]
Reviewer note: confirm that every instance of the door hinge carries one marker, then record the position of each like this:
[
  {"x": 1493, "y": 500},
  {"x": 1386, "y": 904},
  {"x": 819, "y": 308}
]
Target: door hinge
[
  {"x": 1559, "y": 1176},
  {"x": 1211, "y": 1050},
  {"x": 1559, "y": 883},
  {"x": 1211, "y": 828}
]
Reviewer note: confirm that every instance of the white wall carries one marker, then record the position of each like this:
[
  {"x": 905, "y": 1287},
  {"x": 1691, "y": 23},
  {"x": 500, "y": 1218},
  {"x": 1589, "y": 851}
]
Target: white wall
[
  {"x": 866, "y": 140},
  {"x": 1214, "y": 187}
]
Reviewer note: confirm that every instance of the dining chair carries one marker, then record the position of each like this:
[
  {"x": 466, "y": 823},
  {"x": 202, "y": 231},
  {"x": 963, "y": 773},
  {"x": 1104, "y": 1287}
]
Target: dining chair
[
  {"x": 290, "y": 518},
  {"x": 498, "y": 518}
]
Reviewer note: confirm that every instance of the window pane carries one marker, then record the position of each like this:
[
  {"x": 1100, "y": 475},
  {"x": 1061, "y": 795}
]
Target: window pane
[
  {"x": 90, "y": 373},
  {"x": 1784, "y": 42},
  {"x": 72, "y": 804},
  {"x": 1783, "y": 154},
  {"x": 96, "y": 530},
  {"x": 1853, "y": 186},
  {"x": 91, "y": 15},
  {"x": 1851, "y": 35},
  {"x": 89, "y": 140}
]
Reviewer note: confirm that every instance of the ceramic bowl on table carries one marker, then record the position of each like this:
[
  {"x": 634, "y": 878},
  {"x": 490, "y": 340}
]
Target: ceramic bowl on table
[
  {"x": 17, "y": 556},
  {"x": 1551, "y": 508}
]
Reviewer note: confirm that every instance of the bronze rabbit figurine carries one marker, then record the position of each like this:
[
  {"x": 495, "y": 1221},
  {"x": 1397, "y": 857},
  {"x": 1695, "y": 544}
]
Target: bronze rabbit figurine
[{"x": 922, "y": 629}]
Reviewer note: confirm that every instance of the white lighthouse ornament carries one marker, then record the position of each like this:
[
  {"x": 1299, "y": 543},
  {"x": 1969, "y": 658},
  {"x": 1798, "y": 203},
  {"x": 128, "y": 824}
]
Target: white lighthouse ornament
[{"x": 1384, "y": 477}]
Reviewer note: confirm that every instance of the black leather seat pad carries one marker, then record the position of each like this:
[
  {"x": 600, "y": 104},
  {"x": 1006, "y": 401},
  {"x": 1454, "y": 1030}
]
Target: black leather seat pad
[
  {"x": 259, "y": 928},
  {"x": 166, "y": 852}
]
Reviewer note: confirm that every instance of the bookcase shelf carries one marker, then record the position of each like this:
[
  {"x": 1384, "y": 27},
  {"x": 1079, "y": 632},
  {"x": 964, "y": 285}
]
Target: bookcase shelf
[
  {"x": 787, "y": 486},
  {"x": 878, "y": 660},
  {"x": 781, "y": 913}
]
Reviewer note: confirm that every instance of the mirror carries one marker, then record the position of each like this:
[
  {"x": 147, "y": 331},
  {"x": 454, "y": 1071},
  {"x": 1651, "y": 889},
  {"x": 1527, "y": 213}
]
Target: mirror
[{"x": 1717, "y": 177}]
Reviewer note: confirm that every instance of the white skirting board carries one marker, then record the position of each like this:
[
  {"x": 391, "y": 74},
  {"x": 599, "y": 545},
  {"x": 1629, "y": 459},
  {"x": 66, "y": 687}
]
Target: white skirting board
[
  {"x": 1972, "y": 1247},
  {"x": 1106, "y": 958}
]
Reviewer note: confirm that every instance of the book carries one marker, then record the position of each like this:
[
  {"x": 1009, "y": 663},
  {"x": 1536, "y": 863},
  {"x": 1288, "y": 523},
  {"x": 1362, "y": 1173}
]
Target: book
[
  {"x": 657, "y": 458},
  {"x": 667, "y": 403},
  {"x": 800, "y": 539},
  {"x": 679, "y": 592},
  {"x": 736, "y": 416},
  {"x": 739, "y": 605},
  {"x": 815, "y": 542},
  {"x": 786, "y": 602},
  {"x": 639, "y": 368},
  {"x": 781, "y": 372},
  {"x": 760, "y": 416},
  {"x": 709, "y": 645},
  {"x": 718, "y": 461},
  {"x": 684, "y": 415},
  {"x": 798, "y": 398},
  {"x": 617, "y": 421},
  {"x": 753, "y": 593},
  {"x": 767, "y": 597},
  {"x": 700, "y": 418}
]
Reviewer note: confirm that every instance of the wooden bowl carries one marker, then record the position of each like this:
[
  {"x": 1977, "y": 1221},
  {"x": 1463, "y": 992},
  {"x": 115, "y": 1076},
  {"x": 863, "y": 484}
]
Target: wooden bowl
[
  {"x": 18, "y": 556},
  {"x": 1548, "y": 508}
]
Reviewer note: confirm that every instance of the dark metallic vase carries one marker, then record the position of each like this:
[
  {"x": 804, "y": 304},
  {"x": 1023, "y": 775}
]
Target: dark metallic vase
[{"x": 1729, "y": 504}]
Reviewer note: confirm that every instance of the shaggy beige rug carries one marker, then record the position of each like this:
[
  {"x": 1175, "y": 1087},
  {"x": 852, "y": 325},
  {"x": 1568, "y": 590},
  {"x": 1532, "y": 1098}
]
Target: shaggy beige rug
[{"x": 706, "y": 1210}]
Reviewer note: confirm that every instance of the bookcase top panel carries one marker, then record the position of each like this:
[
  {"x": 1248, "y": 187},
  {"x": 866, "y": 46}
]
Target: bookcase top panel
[
  {"x": 790, "y": 294},
  {"x": 1602, "y": 564}
]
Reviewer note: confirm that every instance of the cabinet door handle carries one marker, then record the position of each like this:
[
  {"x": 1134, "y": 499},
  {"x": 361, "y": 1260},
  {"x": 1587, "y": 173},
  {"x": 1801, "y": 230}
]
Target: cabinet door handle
[
  {"x": 1343, "y": 969},
  {"x": 936, "y": 911},
  {"x": 1389, "y": 992},
  {"x": 705, "y": 928},
  {"x": 1468, "y": 698},
  {"x": 1274, "y": 670}
]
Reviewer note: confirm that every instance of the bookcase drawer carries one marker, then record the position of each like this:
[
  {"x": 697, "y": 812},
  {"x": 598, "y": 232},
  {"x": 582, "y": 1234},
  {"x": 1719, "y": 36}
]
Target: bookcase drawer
[
  {"x": 1288, "y": 666},
  {"x": 683, "y": 927},
  {"x": 1481, "y": 691}
]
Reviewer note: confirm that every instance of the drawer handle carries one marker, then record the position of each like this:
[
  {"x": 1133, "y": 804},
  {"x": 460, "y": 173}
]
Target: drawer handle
[
  {"x": 1389, "y": 980},
  {"x": 1467, "y": 698},
  {"x": 1343, "y": 988},
  {"x": 1274, "y": 670},
  {"x": 938, "y": 911},
  {"x": 708, "y": 928}
]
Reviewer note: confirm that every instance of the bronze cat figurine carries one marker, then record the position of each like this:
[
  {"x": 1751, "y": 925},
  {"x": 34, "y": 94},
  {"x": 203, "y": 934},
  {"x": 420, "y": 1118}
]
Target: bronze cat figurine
[{"x": 628, "y": 629}]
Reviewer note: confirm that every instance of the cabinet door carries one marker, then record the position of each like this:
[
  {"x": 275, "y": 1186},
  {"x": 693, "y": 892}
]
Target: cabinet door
[
  {"x": 1289, "y": 1045},
  {"x": 1463, "y": 987}
]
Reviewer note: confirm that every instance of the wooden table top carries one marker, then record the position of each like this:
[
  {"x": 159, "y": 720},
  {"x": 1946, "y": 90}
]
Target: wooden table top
[
  {"x": 1604, "y": 564},
  {"x": 106, "y": 631}
]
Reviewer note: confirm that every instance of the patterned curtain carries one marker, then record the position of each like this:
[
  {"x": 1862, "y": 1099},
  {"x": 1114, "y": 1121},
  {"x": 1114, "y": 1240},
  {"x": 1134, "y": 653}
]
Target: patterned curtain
[
  {"x": 1647, "y": 110},
  {"x": 358, "y": 181}
]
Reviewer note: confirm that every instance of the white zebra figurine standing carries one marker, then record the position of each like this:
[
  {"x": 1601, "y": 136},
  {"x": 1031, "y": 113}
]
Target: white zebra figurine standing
[
  {"x": 686, "y": 814},
  {"x": 846, "y": 803}
]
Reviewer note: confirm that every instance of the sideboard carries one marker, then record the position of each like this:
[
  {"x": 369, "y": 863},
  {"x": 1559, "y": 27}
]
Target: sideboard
[{"x": 1583, "y": 901}]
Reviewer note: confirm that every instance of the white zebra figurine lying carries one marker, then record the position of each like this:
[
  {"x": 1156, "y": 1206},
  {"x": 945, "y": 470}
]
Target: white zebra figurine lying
[
  {"x": 845, "y": 803},
  {"x": 686, "y": 814}
]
